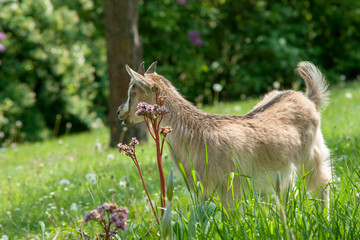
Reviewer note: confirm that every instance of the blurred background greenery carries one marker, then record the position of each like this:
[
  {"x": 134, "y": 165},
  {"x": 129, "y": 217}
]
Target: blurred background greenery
[{"x": 53, "y": 72}]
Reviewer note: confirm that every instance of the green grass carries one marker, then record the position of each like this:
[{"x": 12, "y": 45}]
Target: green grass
[{"x": 47, "y": 182}]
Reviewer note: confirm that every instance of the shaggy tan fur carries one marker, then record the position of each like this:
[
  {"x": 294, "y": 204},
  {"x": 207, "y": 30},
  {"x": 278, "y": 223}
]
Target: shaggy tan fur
[{"x": 281, "y": 134}]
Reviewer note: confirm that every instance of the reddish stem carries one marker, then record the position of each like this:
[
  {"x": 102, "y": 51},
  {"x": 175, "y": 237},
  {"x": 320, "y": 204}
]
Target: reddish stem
[
  {"x": 161, "y": 171},
  {"x": 156, "y": 97},
  {"x": 107, "y": 231},
  {"x": 162, "y": 146},
  {"x": 158, "y": 126},
  {"x": 159, "y": 149},
  {"x": 148, "y": 126},
  {"x": 147, "y": 194}
]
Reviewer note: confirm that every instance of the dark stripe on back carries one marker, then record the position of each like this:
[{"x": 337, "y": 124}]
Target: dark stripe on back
[
  {"x": 201, "y": 116},
  {"x": 270, "y": 103}
]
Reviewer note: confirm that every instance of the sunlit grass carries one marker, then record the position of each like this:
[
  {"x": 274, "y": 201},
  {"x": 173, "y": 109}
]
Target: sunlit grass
[{"x": 59, "y": 181}]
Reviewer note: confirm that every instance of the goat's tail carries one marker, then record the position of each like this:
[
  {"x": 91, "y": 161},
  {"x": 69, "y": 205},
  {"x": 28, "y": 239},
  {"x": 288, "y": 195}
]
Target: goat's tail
[{"x": 316, "y": 85}]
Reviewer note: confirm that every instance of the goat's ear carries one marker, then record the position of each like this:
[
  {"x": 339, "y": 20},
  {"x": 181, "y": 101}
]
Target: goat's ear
[
  {"x": 152, "y": 68},
  {"x": 141, "y": 69},
  {"x": 139, "y": 79}
]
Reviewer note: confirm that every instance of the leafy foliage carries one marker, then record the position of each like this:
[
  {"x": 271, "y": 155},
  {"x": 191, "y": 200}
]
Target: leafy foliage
[
  {"x": 54, "y": 64},
  {"x": 249, "y": 45}
]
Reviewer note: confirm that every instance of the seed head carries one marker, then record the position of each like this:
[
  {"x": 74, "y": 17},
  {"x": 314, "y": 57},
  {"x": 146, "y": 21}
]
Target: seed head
[
  {"x": 164, "y": 131},
  {"x": 134, "y": 142},
  {"x": 126, "y": 150}
]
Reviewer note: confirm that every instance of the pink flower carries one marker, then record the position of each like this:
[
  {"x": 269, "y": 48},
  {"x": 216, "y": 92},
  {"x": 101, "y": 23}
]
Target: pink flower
[
  {"x": 194, "y": 37},
  {"x": 92, "y": 215},
  {"x": 181, "y": 2},
  {"x": 151, "y": 111},
  {"x": 2, "y": 35},
  {"x": 2, "y": 48},
  {"x": 134, "y": 142}
]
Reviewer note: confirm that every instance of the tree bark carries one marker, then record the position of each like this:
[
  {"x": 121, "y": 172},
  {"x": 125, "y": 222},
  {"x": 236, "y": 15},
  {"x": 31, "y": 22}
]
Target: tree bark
[{"x": 123, "y": 47}]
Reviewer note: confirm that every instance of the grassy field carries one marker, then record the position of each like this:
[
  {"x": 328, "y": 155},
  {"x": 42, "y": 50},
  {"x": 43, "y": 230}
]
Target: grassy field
[{"x": 48, "y": 187}]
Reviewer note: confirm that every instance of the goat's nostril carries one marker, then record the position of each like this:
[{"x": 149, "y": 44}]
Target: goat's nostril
[{"x": 118, "y": 112}]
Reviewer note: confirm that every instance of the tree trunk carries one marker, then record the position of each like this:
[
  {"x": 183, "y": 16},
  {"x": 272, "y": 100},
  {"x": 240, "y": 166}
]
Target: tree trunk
[{"x": 123, "y": 47}]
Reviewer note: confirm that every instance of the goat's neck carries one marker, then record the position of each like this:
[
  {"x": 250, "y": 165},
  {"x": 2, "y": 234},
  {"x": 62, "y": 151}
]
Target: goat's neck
[{"x": 183, "y": 118}]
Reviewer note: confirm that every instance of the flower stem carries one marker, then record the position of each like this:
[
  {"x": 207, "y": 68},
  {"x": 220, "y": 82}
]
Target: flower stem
[
  {"x": 161, "y": 171},
  {"x": 148, "y": 126},
  {"x": 147, "y": 194}
]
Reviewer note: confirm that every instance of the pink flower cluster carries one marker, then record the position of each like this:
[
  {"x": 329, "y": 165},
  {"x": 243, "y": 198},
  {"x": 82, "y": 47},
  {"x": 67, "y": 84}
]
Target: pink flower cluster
[
  {"x": 151, "y": 111},
  {"x": 93, "y": 215},
  {"x": 128, "y": 150},
  {"x": 117, "y": 215}
]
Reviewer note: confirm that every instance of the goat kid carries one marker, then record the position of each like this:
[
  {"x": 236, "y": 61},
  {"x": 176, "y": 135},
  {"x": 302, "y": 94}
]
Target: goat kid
[{"x": 281, "y": 134}]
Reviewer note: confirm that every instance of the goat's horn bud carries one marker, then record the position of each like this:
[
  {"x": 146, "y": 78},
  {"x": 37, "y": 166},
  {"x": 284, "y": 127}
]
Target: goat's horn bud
[
  {"x": 152, "y": 68},
  {"x": 141, "y": 69}
]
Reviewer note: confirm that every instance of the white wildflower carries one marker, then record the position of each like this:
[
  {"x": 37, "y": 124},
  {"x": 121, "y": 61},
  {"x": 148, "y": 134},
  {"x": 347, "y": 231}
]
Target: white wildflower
[
  {"x": 110, "y": 157},
  {"x": 73, "y": 207},
  {"x": 19, "y": 124},
  {"x": 122, "y": 183},
  {"x": 98, "y": 146},
  {"x": 237, "y": 108},
  {"x": 276, "y": 85},
  {"x": 4, "y": 237},
  {"x": 64, "y": 182},
  {"x": 91, "y": 177},
  {"x": 217, "y": 87},
  {"x": 348, "y": 95}
]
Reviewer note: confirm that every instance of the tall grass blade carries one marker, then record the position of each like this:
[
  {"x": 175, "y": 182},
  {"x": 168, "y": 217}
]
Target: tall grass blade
[
  {"x": 192, "y": 225},
  {"x": 207, "y": 168},
  {"x": 42, "y": 227},
  {"x": 181, "y": 167}
]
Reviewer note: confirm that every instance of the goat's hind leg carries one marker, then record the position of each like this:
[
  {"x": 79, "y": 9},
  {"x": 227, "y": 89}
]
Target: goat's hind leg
[{"x": 319, "y": 172}]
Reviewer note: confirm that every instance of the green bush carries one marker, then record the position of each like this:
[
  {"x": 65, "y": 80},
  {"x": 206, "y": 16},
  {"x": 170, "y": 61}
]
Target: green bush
[
  {"x": 249, "y": 45},
  {"x": 54, "y": 63}
]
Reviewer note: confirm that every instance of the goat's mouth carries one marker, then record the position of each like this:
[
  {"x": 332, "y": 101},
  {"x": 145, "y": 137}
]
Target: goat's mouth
[
  {"x": 122, "y": 119},
  {"x": 125, "y": 121}
]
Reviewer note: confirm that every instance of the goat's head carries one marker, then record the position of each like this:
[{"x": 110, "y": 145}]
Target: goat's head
[{"x": 141, "y": 89}]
